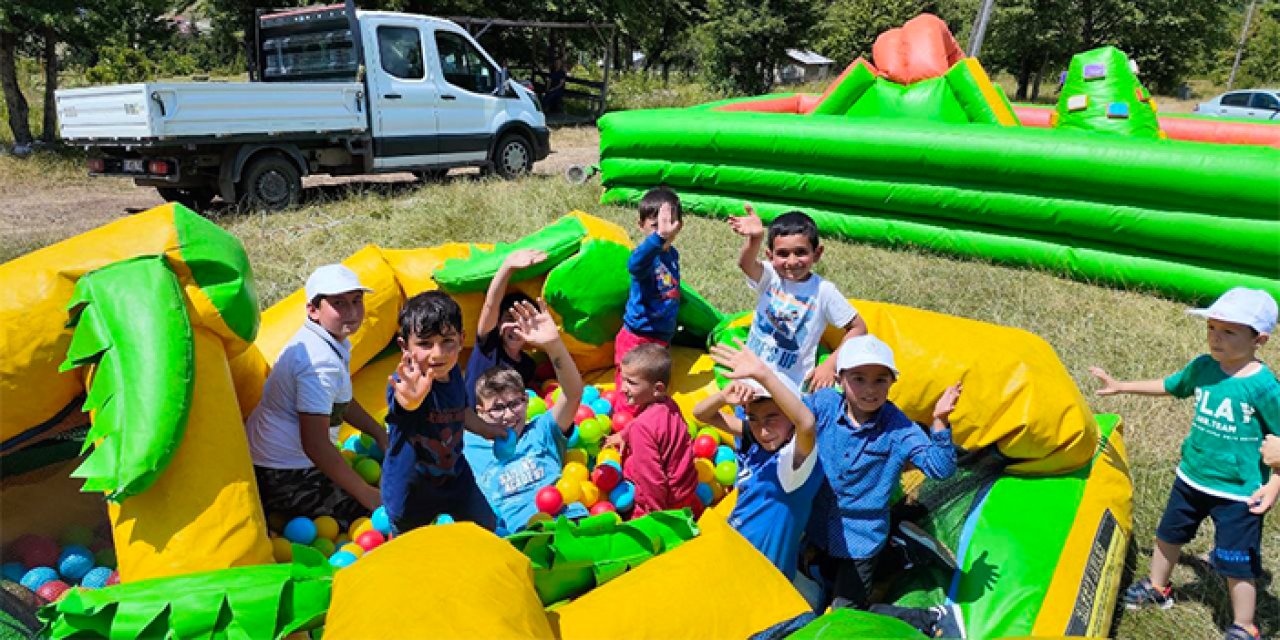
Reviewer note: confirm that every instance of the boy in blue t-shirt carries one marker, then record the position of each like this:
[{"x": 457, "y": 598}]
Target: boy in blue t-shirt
[
  {"x": 424, "y": 474},
  {"x": 654, "y": 299},
  {"x": 497, "y": 344},
  {"x": 531, "y": 454},
  {"x": 1221, "y": 475}
]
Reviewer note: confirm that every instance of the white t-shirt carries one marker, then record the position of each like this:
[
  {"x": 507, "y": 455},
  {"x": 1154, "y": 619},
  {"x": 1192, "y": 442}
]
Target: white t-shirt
[
  {"x": 312, "y": 375},
  {"x": 790, "y": 318}
]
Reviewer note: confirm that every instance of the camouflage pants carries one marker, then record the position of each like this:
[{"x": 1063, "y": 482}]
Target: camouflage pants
[{"x": 305, "y": 492}]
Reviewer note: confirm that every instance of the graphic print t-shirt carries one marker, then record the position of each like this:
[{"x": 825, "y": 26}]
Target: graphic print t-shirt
[
  {"x": 790, "y": 318},
  {"x": 425, "y": 445}
]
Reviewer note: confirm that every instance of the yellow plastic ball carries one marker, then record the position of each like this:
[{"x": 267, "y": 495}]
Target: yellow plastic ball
[
  {"x": 575, "y": 455},
  {"x": 571, "y": 489},
  {"x": 352, "y": 548},
  {"x": 538, "y": 517},
  {"x": 575, "y": 471},
  {"x": 609, "y": 454},
  {"x": 327, "y": 528},
  {"x": 342, "y": 539},
  {"x": 346, "y": 431},
  {"x": 717, "y": 492},
  {"x": 281, "y": 550},
  {"x": 706, "y": 470},
  {"x": 349, "y": 456},
  {"x": 590, "y": 493},
  {"x": 359, "y": 526}
]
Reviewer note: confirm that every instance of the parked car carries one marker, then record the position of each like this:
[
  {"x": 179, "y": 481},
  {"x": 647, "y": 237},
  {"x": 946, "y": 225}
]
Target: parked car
[
  {"x": 1260, "y": 104},
  {"x": 331, "y": 93}
]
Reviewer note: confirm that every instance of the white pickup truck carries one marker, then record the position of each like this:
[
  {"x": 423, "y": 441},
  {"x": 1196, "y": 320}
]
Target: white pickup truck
[{"x": 411, "y": 93}]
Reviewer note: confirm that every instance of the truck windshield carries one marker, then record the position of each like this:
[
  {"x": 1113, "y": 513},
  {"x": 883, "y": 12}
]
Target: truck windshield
[{"x": 463, "y": 66}]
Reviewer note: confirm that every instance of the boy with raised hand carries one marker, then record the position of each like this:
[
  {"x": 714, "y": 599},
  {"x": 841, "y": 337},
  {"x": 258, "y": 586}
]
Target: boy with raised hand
[
  {"x": 1221, "y": 475},
  {"x": 795, "y": 304},
  {"x": 532, "y": 453},
  {"x": 497, "y": 342},
  {"x": 306, "y": 397},
  {"x": 424, "y": 474}
]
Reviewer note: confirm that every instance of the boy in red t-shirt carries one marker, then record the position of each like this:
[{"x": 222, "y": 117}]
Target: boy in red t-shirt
[{"x": 657, "y": 453}]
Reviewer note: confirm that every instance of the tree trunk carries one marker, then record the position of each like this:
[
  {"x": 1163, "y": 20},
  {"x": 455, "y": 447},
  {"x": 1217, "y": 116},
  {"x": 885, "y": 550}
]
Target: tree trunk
[
  {"x": 13, "y": 98},
  {"x": 1024, "y": 79},
  {"x": 49, "y": 132},
  {"x": 1035, "y": 88}
]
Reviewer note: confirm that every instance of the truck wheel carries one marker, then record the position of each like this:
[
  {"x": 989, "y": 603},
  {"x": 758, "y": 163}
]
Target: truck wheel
[
  {"x": 270, "y": 183},
  {"x": 513, "y": 157},
  {"x": 195, "y": 198}
]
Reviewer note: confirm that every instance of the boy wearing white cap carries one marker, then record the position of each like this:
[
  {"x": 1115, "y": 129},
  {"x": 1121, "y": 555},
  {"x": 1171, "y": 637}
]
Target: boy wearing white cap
[
  {"x": 1221, "y": 475},
  {"x": 864, "y": 441},
  {"x": 299, "y": 470}
]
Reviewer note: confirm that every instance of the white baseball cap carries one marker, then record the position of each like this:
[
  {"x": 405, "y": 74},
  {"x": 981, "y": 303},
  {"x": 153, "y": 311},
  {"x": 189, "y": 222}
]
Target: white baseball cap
[
  {"x": 861, "y": 350},
  {"x": 1252, "y": 307},
  {"x": 762, "y": 393},
  {"x": 333, "y": 279}
]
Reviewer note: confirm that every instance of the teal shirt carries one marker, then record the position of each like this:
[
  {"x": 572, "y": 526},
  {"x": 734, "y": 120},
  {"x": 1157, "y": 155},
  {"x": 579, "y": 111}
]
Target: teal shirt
[{"x": 1220, "y": 456}]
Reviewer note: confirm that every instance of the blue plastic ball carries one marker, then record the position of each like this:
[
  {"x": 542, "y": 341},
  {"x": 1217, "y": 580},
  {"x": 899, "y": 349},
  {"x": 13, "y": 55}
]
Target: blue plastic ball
[
  {"x": 504, "y": 449},
  {"x": 96, "y": 578},
  {"x": 342, "y": 559},
  {"x": 381, "y": 521},
  {"x": 75, "y": 561},
  {"x": 13, "y": 571},
  {"x": 35, "y": 578},
  {"x": 574, "y": 439},
  {"x": 444, "y": 518},
  {"x": 531, "y": 393},
  {"x": 623, "y": 496},
  {"x": 723, "y": 453},
  {"x": 300, "y": 530},
  {"x": 601, "y": 407},
  {"x": 589, "y": 394},
  {"x": 705, "y": 494},
  {"x": 352, "y": 443}
]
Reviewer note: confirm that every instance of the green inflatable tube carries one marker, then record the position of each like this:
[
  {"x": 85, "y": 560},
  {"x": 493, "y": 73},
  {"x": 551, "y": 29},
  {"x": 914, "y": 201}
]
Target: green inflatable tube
[{"x": 472, "y": 274}]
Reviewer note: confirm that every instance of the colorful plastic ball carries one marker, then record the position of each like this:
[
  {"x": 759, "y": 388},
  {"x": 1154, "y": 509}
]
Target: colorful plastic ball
[
  {"x": 381, "y": 522},
  {"x": 706, "y": 470},
  {"x": 620, "y": 421},
  {"x": 590, "y": 493},
  {"x": 575, "y": 454},
  {"x": 114, "y": 579},
  {"x": 606, "y": 477},
  {"x": 623, "y": 496},
  {"x": 326, "y": 527},
  {"x": 75, "y": 561},
  {"x": 324, "y": 545},
  {"x": 352, "y": 443},
  {"x": 444, "y": 518},
  {"x": 350, "y": 457},
  {"x": 727, "y": 472},
  {"x": 13, "y": 571},
  {"x": 369, "y": 470},
  {"x": 555, "y": 396},
  {"x": 606, "y": 423},
  {"x": 352, "y": 548},
  {"x": 704, "y": 446},
  {"x": 536, "y": 518},
  {"x": 35, "y": 551},
  {"x": 575, "y": 471},
  {"x": 710, "y": 431},
  {"x": 300, "y": 530},
  {"x": 549, "y": 387},
  {"x": 105, "y": 558},
  {"x": 575, "y": 438},
  {"x": 609, "y": 394},
  {"x": 342, "y": 559},
  {"x": 584, "y": 413},
  {"x": 530, "y": 393},
  {"x": 601, "y": 407},
  {"x": 608, "y": 454},
  {"x": 725, "y": 452},
  {"x": 281, "y": 550},
  {"x": 718, "y": 491},
  {"x": 705, "y": 494},
  {"x": 570, "y": 489},
  {"x": 77, "y": 534},
  {"x": 590, "y": 431},
  {"x": 342, "y": 539},
  {"x": 603, "y": 506},
  {"x": 616, "y": 464},
  {"x": 590, "y": 394},
  {"x": 52, "y": 590},
  {"x": 36, "y": 577},
  {"x": 548, "y": 500},
  {"x": 96, "y": 578},
  {"x": 536, "y": 407},
  {"x": 371, "y": 540}
]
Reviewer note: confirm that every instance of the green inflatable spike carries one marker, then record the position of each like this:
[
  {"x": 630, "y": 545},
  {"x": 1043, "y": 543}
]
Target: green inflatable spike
[
  {"x": 472, "y": 274},
  {"x": 262, "y": 601},
  {"x": 570, "y": 558},
  {"x": 1102, "y": 94},
  {"x": 591, "y": 305},
  {"x": 696, "y": 317},
  {"x": 131, "y": 322},
  {"x": 220, "y": 267}
]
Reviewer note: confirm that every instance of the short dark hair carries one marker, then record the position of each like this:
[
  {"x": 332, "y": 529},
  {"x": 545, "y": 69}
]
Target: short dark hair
[
  {"x": 495, "y": 381},
  {"x": 794, "y": 223},
  {"x": 511, "y": 299},
  {"x": 430, "y": 313},
  {"x": 653, "y": 200},
  {"x": 652, "y": 361}
]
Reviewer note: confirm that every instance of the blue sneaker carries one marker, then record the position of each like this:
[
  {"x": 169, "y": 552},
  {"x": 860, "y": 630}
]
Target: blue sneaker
[
  {"x": 1142, "y": 594},
  {"x": 1237, "y": 632}
]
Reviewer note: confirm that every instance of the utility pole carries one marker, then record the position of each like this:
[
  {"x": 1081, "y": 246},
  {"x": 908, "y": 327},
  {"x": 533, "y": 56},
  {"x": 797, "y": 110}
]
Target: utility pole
[
  {"x": 1244, "y": 37},
  {"x": 980, "y": 28}
]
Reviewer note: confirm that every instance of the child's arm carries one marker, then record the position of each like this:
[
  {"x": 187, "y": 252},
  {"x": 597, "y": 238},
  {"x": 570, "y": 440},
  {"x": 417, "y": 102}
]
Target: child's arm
[
  {"x": 708, "y": 410},
  {"x": 490, "y": 313},
  {"x": 1271, "y": 451},
  {"x": 743, "y": 363},
  {"x": 357, "y": 417},
  {"x": 314, "y": 431},
  {"x": 824, "y": 375},
  {"x": 937, "y": 459},
  {"x": 535, "y": 326},
  {"x": 751, "y": 229},
  {"x": 644, "y": 469},
  {"x": 1111, "y": 386},
  {"x": 1264, "y": 497}
]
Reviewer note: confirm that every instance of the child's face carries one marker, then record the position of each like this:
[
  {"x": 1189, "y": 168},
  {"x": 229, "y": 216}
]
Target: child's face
[
  {"x": 1230, "y": 342},
  {"x": 438, "y": 352},
  {"x": 866, "y": 388},
  {"x": 510, "y": 340},
  {"x": 341, "y": 314},
  {"x": 793, "y": 257},
  {"x": 769, "y": 425},
  {"x": 506, "y": 409},
  {"x": 639, "y": 392},
  {"x": 649, "y": 226}
]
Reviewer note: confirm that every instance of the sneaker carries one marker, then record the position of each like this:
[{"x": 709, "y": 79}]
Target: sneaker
[
  {"x": 1237, "y": 632},
  {"x": 919, "y": 540},
  {"x": 1143, "y": 593},
  {"x": 946, "y": 622}
]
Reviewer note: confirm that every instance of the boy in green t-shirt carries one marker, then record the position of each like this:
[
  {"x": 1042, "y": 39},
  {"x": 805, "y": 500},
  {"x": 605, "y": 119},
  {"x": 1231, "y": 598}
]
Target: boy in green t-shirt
[{"x": 1222, "y": 475}]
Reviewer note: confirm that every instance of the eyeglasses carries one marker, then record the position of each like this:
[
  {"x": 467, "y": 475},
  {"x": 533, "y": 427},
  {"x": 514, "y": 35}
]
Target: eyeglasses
[{"x": 511, "y": 407}]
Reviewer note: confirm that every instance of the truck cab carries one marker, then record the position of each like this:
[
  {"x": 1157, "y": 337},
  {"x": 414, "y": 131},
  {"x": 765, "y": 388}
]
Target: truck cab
[{"x": 332, "y": 93}]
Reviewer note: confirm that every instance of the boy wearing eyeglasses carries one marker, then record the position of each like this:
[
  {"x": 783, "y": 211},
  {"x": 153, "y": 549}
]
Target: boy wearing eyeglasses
[{"x": 532, "y": 453}]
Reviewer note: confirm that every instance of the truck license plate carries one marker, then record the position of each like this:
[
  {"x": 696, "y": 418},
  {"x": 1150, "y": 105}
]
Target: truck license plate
[{"x": 134, "y": 166}]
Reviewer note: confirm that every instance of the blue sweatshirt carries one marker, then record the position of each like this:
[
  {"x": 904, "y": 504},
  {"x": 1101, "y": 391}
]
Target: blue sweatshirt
[{"x": 654, "y": 299}]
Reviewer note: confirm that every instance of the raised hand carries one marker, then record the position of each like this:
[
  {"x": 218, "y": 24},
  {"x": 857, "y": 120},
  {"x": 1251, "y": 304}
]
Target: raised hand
[
  {"x": 411, "y": 384},
  {"x": 740, "y": 362},
  {"x": 947, "y": 403},
  {"x": 668, "y": 225},
  {"x": 738, "y": 393},
  {"x": 749, "y": 224},
  {"x": 1110, "y": 386},
  {"x": 533, "y": 324},
  {"x": 524, "y": 258},
  {"x": 821, "y": 376}
]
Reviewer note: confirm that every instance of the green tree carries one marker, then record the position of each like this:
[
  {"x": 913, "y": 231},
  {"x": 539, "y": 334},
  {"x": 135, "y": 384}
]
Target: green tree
[
  {"x": 1260, "y": 62},
  {"x": 743, "y": 40}
]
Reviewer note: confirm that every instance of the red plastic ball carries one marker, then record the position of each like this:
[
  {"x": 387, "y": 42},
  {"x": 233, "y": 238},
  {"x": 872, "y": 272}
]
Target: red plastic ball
[
  {"x": 603, "y": 506},
  {"x": 606, "y": 477},
  {"x": 548, "y": 387},
  {"x": 548, "y": 500},
  {"x": 609, "y": 395},
  {"x": 705, "y": 447},
  {"x": 52, "y": 590},
  {"x": 620, "y": 421},
  {"x": 36, "y": 551},
  {"x": 114, "y": 579},
  {"x": 370, "y": 539},
  {"x": 584, "y": 413}
]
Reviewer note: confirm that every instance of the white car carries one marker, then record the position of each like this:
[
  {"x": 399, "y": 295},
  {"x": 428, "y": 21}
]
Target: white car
[{"x": 1259, "y": 104}]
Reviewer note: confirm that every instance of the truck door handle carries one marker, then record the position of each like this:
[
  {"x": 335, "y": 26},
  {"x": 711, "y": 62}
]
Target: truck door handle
[
  {"x": 392, "y": 96},
  {"x": 448, "y": 97}
]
